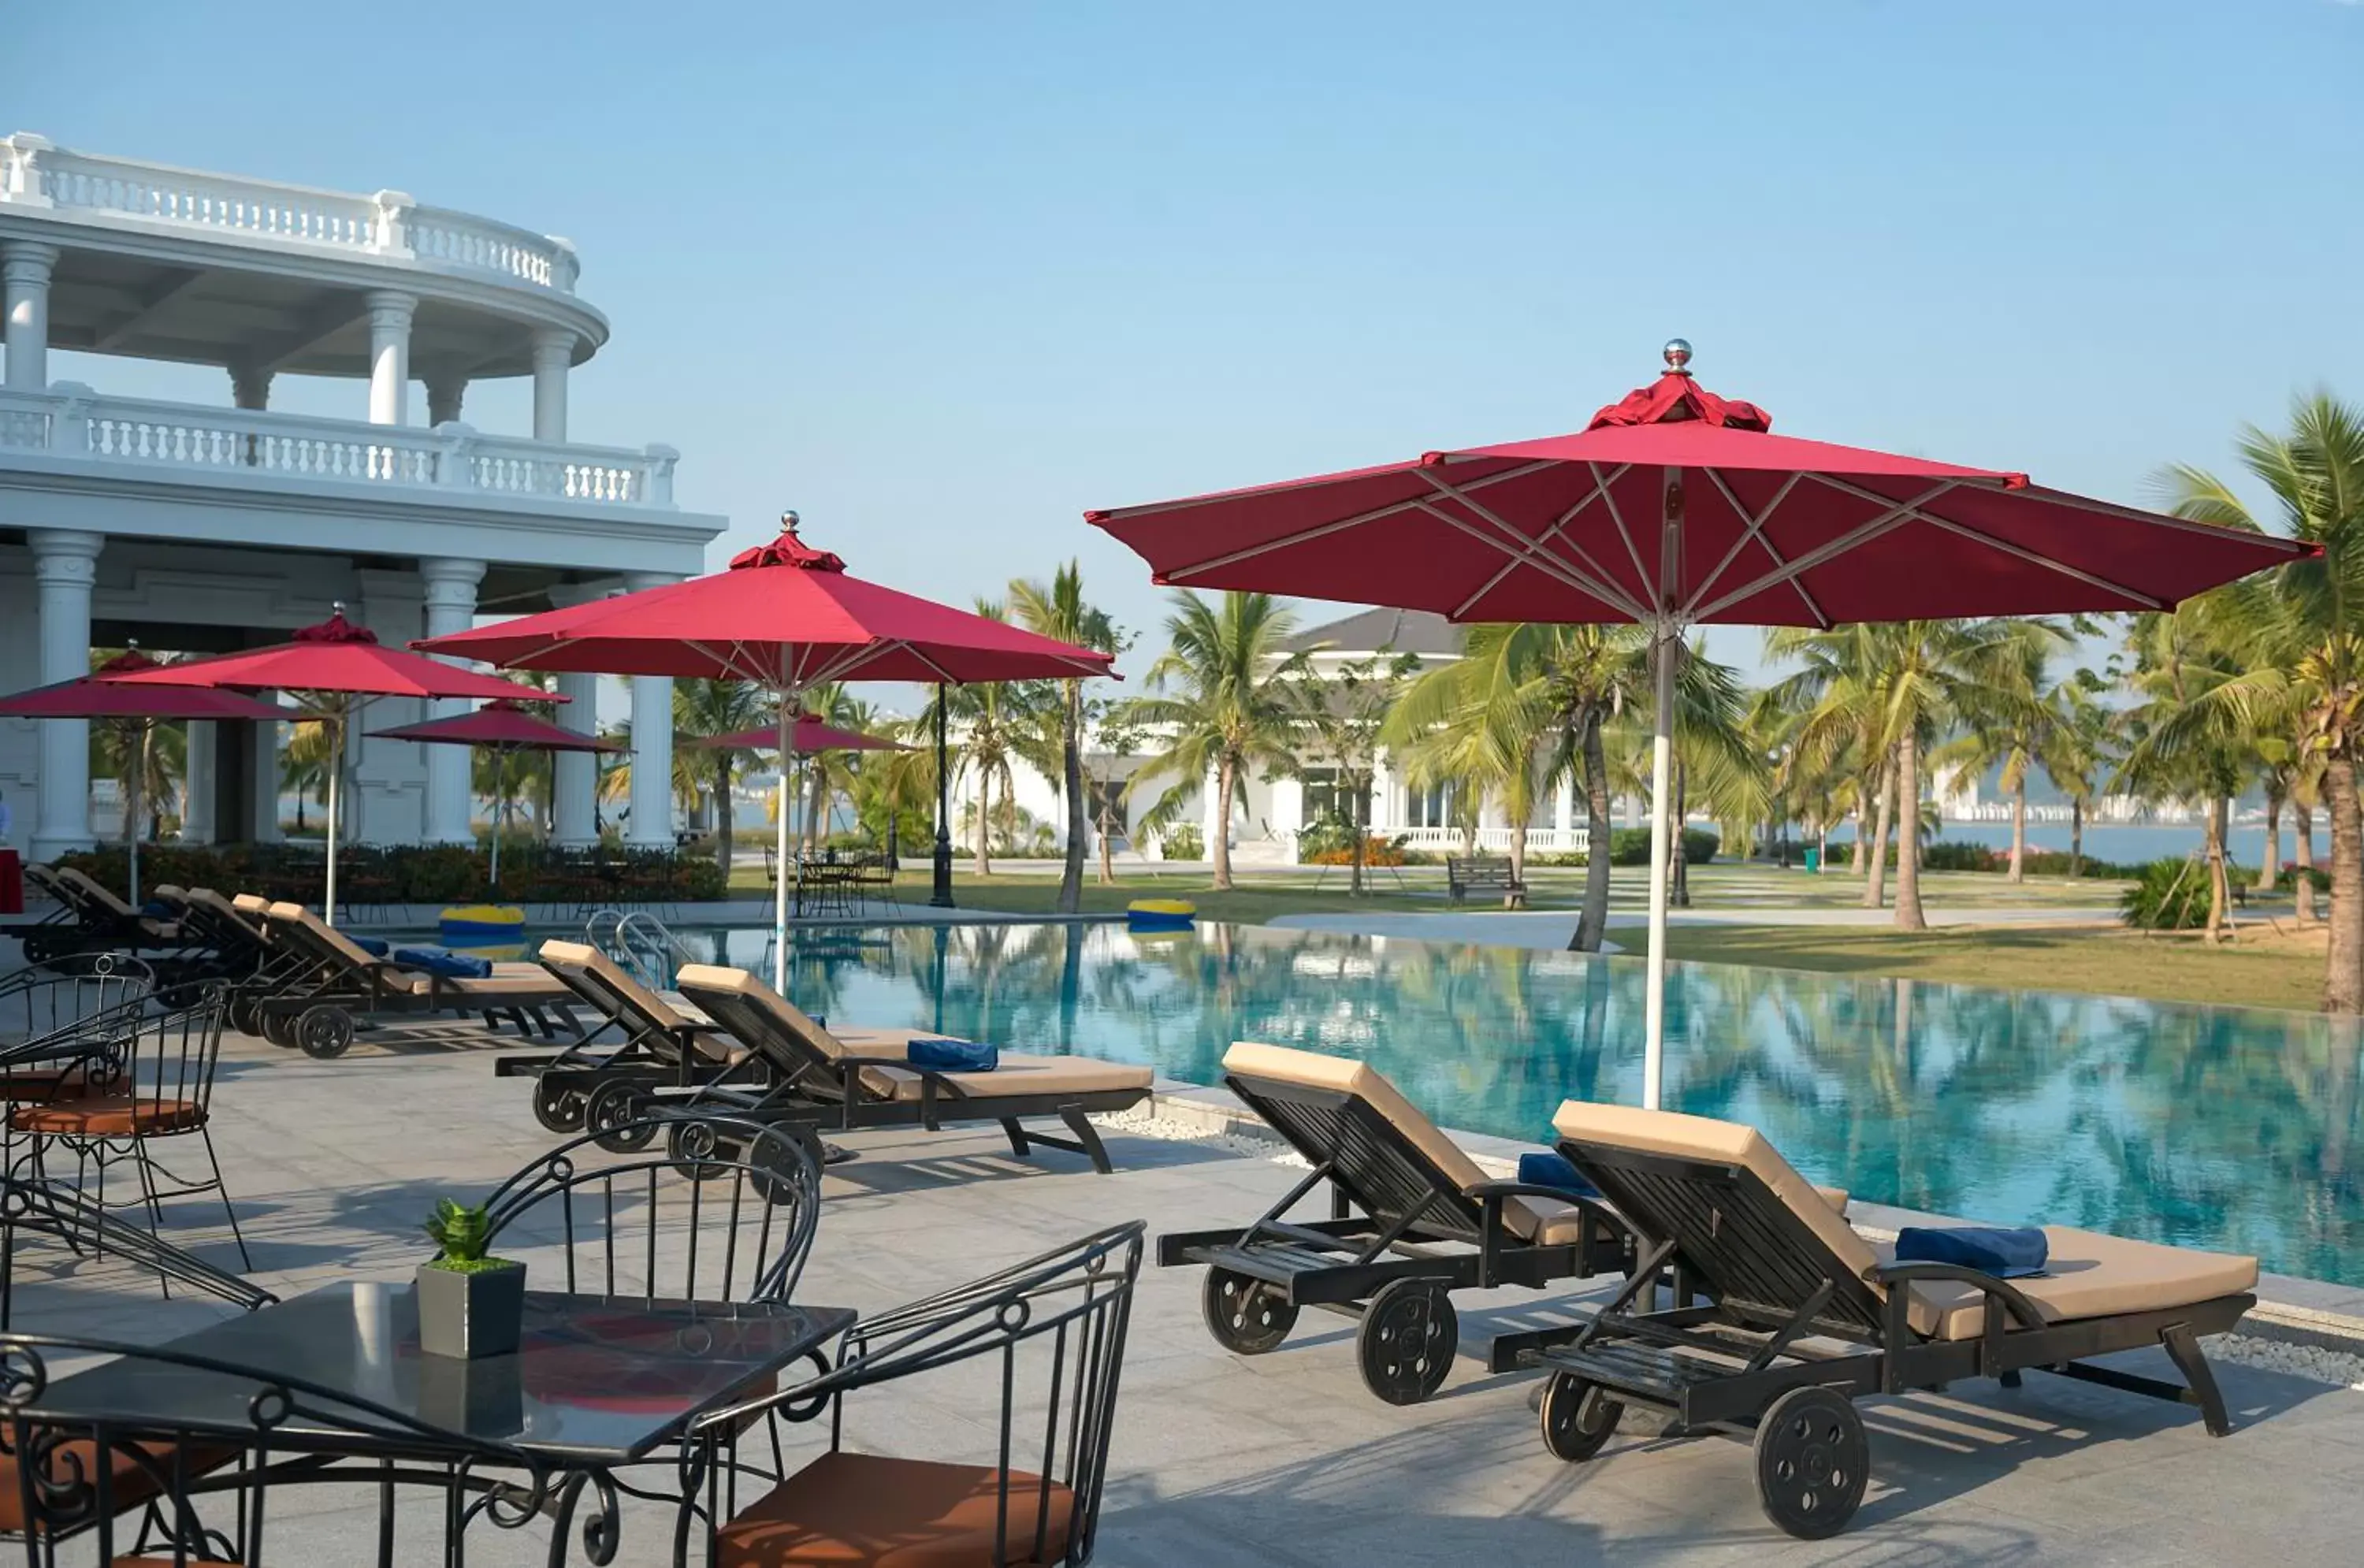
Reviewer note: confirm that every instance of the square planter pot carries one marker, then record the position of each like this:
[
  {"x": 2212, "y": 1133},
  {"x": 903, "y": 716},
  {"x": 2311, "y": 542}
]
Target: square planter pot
[
  {"x": 484, "y": 1399},
  {"x": 470, "y": 1315}
]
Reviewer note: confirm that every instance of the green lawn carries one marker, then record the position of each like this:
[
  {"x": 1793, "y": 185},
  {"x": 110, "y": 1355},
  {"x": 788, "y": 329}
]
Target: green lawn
[{"x": 2262, "y": 968}]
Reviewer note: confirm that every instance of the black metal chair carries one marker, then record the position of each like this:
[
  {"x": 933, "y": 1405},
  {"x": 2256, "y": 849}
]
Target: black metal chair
[
  {"x": 192, "y": 1489},
  {"x": 63, "y": 1216},
  {"x": 50, "y": 996},
  {"x": 1052, "y": 1328},
  {"x": 146, "y": 1077}
]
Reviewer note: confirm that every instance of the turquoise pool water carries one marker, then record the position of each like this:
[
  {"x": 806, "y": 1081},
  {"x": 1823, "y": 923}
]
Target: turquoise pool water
[{"x": 2216, "y": 1127}]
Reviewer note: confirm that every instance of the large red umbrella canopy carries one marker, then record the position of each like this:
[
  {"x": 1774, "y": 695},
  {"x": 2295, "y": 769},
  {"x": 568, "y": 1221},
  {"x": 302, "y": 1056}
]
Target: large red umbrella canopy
[
  {"x": 1770, "y": 530},
  {"x": 1676, "y": 508},
  {"x": 503, "y": 724},
  {"x": 98, "y": 696},
  {"x": 809, "y": 735},
  {"x": 335, "y": 656},
  {"x": 785, "y": 616}
]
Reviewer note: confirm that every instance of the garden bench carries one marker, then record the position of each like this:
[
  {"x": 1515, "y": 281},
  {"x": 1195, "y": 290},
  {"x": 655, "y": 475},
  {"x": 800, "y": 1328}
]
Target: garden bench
[{"x": 1486, "y": 871}]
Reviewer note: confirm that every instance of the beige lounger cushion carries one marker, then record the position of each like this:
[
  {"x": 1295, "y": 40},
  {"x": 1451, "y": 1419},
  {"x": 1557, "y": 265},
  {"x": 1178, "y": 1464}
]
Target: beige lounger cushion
[
  {"x": 2086, "y": 1275},
  {"x": 96, "y": 892},
  {"x": 250, "y": 904},
  {"x": 207, "y": 898},
  {"x": 559, "y": 957},
  {"x": 1017, "y": 1074}
]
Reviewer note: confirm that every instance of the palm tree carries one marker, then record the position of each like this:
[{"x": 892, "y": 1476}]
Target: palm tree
[
  {"x": 2084, "y": 739},
  {"x": 701, "y": 710},
  {"x": 2012, "y": 729},
  {"x": 2299, "y": 631},
  {"x": 2188, "y": 738},
  {"x": 304, "y": 765},
  {"x": 827, "y": 774},
  {"x": 1223, "y": 714},
  {"x": 1482, "y": 723},
  {"x": 1058, "y": 611},
  {"x": 999, "y": 724},
  {"x": 1837, "y": 692}
]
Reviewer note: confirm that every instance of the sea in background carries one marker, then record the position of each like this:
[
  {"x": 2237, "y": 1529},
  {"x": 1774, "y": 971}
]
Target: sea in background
[{"x": 2125, "y": 844}]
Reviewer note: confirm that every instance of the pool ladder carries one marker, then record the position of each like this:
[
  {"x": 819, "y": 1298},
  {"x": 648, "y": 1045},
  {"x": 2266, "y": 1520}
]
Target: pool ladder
[{"x": 640, "y": 944}]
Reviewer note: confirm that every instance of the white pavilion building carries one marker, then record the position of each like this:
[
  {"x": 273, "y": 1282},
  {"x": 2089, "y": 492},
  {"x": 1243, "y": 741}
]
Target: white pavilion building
[{"x": 205, "y": 527}]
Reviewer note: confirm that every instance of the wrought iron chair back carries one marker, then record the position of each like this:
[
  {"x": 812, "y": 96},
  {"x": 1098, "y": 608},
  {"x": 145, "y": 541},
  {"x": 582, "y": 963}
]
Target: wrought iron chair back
[
  {"x": 210, "y": 1436},
  {"x": 48, "y": 999},
  {"x": 64, "y": 1214},
  {"x": 725, "y": 1213},
  {"x": 1052, "y": 1331}
]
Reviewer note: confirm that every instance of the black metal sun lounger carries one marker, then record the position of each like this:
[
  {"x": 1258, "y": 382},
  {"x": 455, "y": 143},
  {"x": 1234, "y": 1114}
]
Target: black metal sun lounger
[
  {"x": 1789, "y": 1315},
  {"x": 847, "y": 1085}
]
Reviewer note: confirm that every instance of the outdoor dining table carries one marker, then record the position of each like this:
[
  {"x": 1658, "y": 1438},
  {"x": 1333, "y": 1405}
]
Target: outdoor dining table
[{"x": 597, "y": 1382}]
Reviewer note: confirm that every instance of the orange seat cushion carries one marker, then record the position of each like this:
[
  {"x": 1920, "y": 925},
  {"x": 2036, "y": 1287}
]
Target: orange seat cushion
[
  {"x": 859, "y": 1511},
  {"x": 110, "y": 1115},
  {"x": 135, "y": 1482}
]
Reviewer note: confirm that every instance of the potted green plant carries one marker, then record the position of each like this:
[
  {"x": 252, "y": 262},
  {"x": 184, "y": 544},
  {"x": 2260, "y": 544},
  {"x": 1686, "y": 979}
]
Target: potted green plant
[{"x": 470, "y": 1305}]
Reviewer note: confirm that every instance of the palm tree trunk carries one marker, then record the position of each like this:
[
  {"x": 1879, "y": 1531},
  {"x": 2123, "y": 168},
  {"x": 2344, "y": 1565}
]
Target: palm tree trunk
[
  {"x": 1592, "y": 923},
  {"x": 2270, "y": 867},
  {"x": 2076, "y": 837},
  {"x": 2217, "y": 892},
  {"x": 1220, "y": 849},
  {"x": 2018, "y": 834},
  {"x": 1518, "y": 859},
  {"x": 1908, "y": 834},
  {"x": 1071, "y": 756},
  {"x": 1874, "y": 862},
  {"x": 2303, "y": 883},
  {"x": 1679, "y": 870},
  {"x": 723, "y": 825},
  {"x": 2342, "y": 967},
  {"x": 984, "y": 823},
  {"x": 1107, "y": 855},
  {"x": 1362, "y": 827}
]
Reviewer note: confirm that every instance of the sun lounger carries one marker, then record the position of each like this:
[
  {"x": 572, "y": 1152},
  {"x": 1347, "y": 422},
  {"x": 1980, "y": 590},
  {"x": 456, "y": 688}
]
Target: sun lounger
[
  {"x": 1801, "y": 1316},
  {"x": 89, "y": 918},
  {"x": 349, "y": 985},
  {"x": 1411, "y": 1221},
  {"x": 831, "y": 1082},
  {"x": 604, "y": 1082}
]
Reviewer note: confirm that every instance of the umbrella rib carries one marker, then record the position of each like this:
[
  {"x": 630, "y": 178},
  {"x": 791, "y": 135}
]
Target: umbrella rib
[
  {"x": 1617, "y": 515},
  {"x": 1898, "y": 514},
  {"x": 1121, "y": 514},
  {"x": 1558, "y": 526},
  {"x": 1550, "y": 565},
  {"x": 1755, "y": 531},
  {"x": 1324, "y": 530},
  {"x": 2034, "y": 558},
  {"x": 1531, "y": 551},
  {"x": 2136, "y": 515}
]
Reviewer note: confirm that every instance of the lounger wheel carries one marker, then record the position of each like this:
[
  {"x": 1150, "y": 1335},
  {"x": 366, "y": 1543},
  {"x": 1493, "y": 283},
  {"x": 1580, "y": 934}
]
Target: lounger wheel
[
  {"x": 1246, "y": 1316},
  {"x": 610, "y": 1117},
  {"x": 325, "y": 1032},
  {"x": 559, "y": 1110},
  {"x": 279, "y": 1028},
  {"x": 1811, "y": 1463},
  {"x": 1576, "y": 1415},
  {"x": 773, "y": 1179},
  {"x": 244, "y": 1016},
  {"x": 1409, "y": 1338}
]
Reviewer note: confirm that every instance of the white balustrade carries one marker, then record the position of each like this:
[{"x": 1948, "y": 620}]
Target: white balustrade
[
  {"x": 71, "y": 423},
  {"x": 1490, "y": 840},
  {"x": 35, "y": 173}
]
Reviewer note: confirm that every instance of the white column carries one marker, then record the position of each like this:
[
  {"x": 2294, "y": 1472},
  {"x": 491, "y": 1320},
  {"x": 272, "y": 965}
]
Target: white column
[
  {"x": 198, "y": 784},
  {"x": 1564, "y": 809},
  {"x": 250, "y": 387},
  {"x": 389, "y": 318},
  {"x": 65, "y": 564},
  {"x": 574, "y": 809},
  {"x": 25, "y": 268},
  {"x": 444, "y": 393},
  {"x": 553, "y": 354},
  {"x": 451, "y": 606},
  {"x": 651, "y": 745}
]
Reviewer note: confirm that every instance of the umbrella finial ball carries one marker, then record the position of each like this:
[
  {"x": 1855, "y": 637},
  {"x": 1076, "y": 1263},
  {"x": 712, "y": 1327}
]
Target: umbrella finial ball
[
  {"x": 788, "y": 521},
  {"x": 1679, "y": 355}
]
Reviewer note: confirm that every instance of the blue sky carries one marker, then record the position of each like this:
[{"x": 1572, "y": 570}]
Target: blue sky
[{"x": 942, "y": 276}]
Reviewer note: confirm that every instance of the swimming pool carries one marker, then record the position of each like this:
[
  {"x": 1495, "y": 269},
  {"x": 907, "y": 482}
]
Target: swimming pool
[{"x": 2218, "y": 1127}]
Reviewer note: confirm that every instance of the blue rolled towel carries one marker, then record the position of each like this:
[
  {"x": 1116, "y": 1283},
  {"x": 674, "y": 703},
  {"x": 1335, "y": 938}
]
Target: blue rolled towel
[
  {"x": 373, "y": 946},
  {"x": 449, "y": 965},
  {"x": 155, "y": 910},
  {"x": 1995, "y": 1249},
  {"x": 1549, "y": 1170},
  {"x": 952, "y": 1055}
]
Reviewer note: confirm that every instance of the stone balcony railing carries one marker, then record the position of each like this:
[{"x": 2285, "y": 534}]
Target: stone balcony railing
[
  {"x": 389, "y": 225},
  {"x": 71, "y": 423}
]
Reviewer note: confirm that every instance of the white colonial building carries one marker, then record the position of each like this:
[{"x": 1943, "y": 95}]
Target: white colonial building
[
  {"x": 210, "y": 526},
  {"x": 1271, "y": 812}
]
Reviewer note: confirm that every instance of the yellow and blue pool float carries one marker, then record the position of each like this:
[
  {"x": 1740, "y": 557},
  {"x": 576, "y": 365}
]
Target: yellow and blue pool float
[
  {"x": 475, "y": 922},
  {"x": 1160, "y": 914}
]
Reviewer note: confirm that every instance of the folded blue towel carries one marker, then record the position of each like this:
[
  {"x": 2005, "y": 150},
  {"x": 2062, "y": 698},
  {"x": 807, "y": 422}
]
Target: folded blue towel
[
  {"x": 1550, "y": 1170},
  {"x": 156, "y": 911},
  {"x": 951, "y": 1055},
  {"x": 449, "y": 965},
  {"x": 373, "y": 946},
  {"x": 1995, "y": 1249}
]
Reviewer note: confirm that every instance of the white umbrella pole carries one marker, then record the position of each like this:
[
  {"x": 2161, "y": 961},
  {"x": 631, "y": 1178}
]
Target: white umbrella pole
[
  {"x": 500, "y": 806},
  {"x": 1662, "y": 789},
  {"x": 780, "y": 862},
  {"x": 132, "y": 804},
  {"x": 336, "y": 765}
]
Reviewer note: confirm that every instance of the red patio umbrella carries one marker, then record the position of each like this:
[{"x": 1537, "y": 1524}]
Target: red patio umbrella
[
  {"x": 88, "y": 696},
  {"x": 501, "y": 727},
  {"x": 1676, "y": 508},
  {"x": 810, "y": 735},
  {"x": 785, "y": 616},
  {"x": 333, "y": 669}
]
